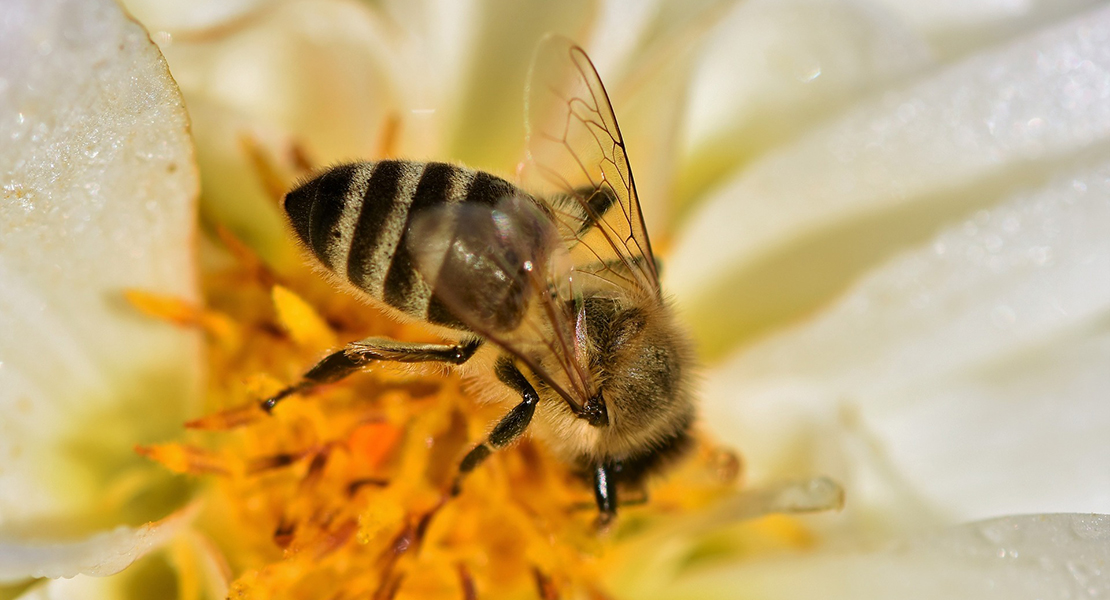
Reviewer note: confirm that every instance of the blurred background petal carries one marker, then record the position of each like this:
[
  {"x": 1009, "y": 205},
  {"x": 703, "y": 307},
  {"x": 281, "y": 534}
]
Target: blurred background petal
[
  {"x": 957, "y": 27},
  {"x": 308, "y": 77},
  {"x": 772, "y": 69}
]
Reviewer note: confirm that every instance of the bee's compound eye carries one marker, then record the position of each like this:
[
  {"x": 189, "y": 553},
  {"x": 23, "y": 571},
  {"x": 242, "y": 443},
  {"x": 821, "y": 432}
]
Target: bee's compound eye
[
  {"x": 627, "y": 327},
  {"x": 594, "y": 411}
]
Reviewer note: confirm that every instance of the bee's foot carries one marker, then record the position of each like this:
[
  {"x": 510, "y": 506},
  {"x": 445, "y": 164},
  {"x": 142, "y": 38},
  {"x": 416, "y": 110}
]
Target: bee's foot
[{"x": 604, "y": 521}]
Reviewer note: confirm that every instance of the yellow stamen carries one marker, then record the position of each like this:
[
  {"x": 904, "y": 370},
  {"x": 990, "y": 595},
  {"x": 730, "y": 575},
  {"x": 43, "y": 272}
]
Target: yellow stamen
[
  {"x": 181, "y": 458},
  {"x": 301, "y": 320},
  {"x": 183, "y": 314}
]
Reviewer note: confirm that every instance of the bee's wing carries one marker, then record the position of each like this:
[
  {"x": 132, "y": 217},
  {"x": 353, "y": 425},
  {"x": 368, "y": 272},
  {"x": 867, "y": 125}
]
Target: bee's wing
[
  {"x": 577, "y": 154},
  {"x": 503, "y": 272}
]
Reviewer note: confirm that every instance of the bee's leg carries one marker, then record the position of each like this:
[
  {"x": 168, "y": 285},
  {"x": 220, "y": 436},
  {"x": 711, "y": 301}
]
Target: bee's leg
[
  {"x": 642, "y": 497},
  {"x": 605, "y": 492},
  {"x": 510, "y": 427},
  {"x": 357, "y": 355}
]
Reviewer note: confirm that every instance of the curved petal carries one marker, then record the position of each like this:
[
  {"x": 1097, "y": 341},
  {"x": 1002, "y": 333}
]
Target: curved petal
[
  {"x": 189, "y": 17},
  {"x": 970, "y": 372},
  {"x": 956, "y": 27},
  {"x": 309, "y": 77},
  {"x": 488, "y": 129},
  {"x": 101, "y": 554},
  {"x": 99, "y": 191},
  {"x": 1012, "y": 558},
  {"x": 81, "y": 587},
  {"x": 1021, "y": 436},
  {"x": 189, "y": 566},
  {"x": 771, "y": 69},
  {"x": 795, "y": 227}
]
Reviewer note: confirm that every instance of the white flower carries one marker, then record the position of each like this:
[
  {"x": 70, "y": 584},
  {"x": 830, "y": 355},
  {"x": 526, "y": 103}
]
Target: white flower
[{"x": 885, "y": 225}]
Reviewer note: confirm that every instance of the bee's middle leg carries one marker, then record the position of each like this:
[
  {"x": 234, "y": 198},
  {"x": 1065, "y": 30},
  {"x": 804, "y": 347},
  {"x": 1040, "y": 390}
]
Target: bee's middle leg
[
  {"x": 510, "y": 427},
  {"x": 356, "y": 355}
]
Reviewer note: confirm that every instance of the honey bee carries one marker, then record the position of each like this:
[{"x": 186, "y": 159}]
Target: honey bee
[{"x": 556, "y": 296}]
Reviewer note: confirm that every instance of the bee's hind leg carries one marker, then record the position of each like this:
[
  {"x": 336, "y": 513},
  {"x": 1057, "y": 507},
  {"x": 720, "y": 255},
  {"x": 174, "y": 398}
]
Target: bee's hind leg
[
  {"x": 510, "y": 427},
  {"x": 356, "y": 355}
]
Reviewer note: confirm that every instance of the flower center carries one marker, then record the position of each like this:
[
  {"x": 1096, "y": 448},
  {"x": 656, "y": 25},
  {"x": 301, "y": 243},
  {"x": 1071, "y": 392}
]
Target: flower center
[{"x": 342, "y": 491}]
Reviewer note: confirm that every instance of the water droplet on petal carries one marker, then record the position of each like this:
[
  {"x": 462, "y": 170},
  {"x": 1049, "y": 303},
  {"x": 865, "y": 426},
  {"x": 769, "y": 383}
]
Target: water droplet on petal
[{"x": 1092, "y": 527}]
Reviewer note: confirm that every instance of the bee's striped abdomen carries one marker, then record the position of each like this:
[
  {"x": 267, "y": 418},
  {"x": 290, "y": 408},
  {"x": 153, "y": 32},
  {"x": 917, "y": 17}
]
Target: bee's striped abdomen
[{"x": 355, "y": 218}]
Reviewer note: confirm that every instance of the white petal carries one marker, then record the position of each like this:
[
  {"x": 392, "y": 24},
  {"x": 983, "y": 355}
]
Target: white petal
[
  {"x": 621, "y": 27},
  {"x": 80, "y": 587},
  {"x": 151, "y": 577},
  {"x": 655, "y": 556},
  {"x": 330, "y": 73},
  {"x": 329, "y": 76},
  {"x": 648, "y": 54},
  {"x": 432, "y": 44},
  {"x": 1004, "y": 280},
  {"x": 959, "y": 26},
  {"x": 790, "y": 231},
  {"x": 1013, "y": 558},
  {"x": 771, "y": 69},
  {"x": 972, "y": 368},
  {"x": 1022, "y": 436},
  {"x": 488, "y": 129},
  {"x": 190, "y": 17},
  {"x": 99, "y": 193},
  {"x": 317, "y": 70},
  {"x": 98, "y": 555}
]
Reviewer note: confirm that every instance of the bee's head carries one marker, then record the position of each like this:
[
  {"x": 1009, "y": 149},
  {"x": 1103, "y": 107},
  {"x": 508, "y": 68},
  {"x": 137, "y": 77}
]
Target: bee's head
[
  {"x": 640, "y": 360},
  {"x": 643, "y": 408}
]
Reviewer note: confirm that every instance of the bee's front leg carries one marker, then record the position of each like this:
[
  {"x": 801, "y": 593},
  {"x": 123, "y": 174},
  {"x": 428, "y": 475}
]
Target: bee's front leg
[
  {"x": 510, "y": 427},
  {"x": 356, "y": 355}
]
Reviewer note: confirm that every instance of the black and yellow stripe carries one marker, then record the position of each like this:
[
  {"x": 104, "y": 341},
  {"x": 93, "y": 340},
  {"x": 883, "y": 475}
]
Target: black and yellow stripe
[{"x": 355, "y": 219}]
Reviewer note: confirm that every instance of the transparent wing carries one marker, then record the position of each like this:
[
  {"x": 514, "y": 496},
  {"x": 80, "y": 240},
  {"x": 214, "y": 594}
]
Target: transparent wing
[
  {"x": 577, "y": 156},
  {"x": 503, "y": 271}
]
